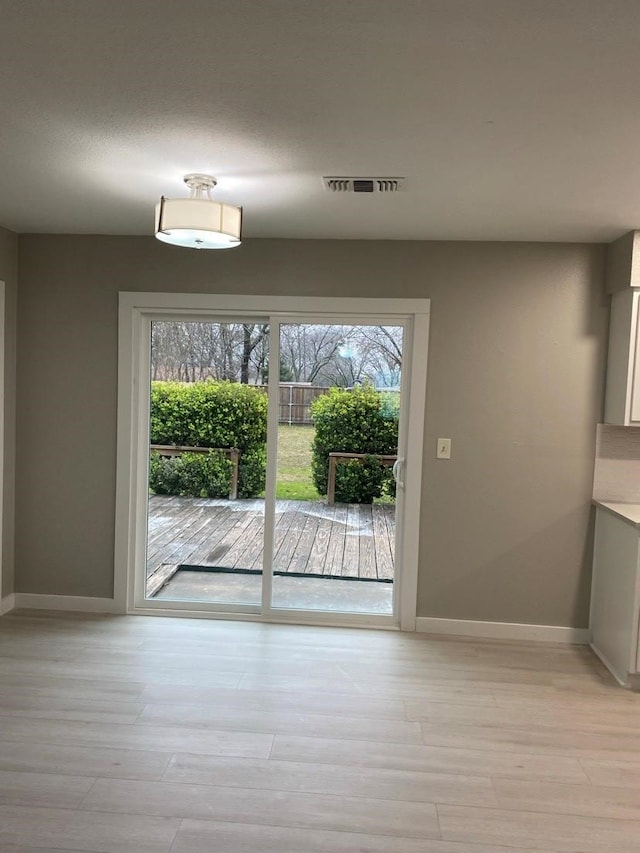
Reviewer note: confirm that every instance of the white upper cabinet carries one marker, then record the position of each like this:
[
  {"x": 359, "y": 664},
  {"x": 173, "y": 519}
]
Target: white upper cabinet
[
  {"x": 622, "y": 397},
  {"x": 622, "y": 400}
]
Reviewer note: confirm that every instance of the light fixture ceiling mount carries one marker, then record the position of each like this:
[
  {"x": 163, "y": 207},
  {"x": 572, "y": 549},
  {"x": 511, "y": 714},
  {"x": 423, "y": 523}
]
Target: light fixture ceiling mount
[{"x": 198, "y": 222}]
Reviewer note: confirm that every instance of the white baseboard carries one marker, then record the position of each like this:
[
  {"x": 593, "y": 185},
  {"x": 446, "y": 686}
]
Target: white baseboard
[
  {"x": 424, "y": 624},
  {"x": 624, "y": 681},
  {"x": 78, "y": 603},
  {"x": 634, "y": 682},
  {"x": 7, "y": 604},
  {"x": 502, "y": 630}
]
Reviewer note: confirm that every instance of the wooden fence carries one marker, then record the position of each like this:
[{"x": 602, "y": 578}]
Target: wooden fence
[{"x": 296, "y": 400}]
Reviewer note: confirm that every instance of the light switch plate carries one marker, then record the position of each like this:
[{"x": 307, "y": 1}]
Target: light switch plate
[{"x": 444, "y": 448}]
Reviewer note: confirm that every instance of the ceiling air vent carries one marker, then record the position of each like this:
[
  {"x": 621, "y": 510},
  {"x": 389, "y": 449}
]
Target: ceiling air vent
[{"x": 363, "y": 185}]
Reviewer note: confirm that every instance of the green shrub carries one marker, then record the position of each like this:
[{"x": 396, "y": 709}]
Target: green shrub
[
  {"x": 252, "y": 473},
  {"x": 196, "y": 475},
  {"x": 361, "y": 420},
  {"x": 164, "y": 477},
  {"x": 209, "y": 414},
  {"x": 359, "y": 481}
]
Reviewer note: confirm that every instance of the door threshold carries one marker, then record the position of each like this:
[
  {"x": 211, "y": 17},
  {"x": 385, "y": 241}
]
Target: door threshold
[{"x": 285, "y": 617}]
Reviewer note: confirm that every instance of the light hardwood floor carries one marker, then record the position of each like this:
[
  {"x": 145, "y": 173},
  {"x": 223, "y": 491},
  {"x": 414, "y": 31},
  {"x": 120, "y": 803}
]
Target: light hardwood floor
[{"x": 150, "y": 735}]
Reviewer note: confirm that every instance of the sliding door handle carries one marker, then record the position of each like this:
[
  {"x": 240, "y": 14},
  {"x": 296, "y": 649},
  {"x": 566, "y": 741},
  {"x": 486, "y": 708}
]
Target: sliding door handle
[{"x": 397, "y": 465}]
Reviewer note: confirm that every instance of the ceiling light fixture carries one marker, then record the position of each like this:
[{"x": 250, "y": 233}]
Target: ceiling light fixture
[{"x": 198, "y": 222}]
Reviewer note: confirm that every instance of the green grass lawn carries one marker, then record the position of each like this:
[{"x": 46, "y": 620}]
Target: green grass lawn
[
  {"x": 294, "y": 464},
  {"x": 295, "y": 482}
]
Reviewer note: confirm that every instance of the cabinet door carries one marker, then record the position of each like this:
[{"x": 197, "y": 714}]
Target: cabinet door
[
  {"x": 615, "y": 594},
  {"x": 622, "y": 398}
]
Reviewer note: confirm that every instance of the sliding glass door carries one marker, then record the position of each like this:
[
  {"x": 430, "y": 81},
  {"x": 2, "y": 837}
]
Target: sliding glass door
[
  {"x": 207, "y": 461},
  {"x": 268, "y": 460},
  {"x": 338, "y": 425}
]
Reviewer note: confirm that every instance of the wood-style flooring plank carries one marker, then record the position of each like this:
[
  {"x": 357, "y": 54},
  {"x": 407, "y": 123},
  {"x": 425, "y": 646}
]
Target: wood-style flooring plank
[
  {"x": 58, "y": 708},
  {"x": 54, "y": 829},
  {"x": 299, "y": 810},
  {"x": 274, "y": 722},
  {"x": 169, "y": 735},
  {"x": 43, "y": 789},
  {"x": 553, "y": 798},
  {"x": 263, "y": 700},
  {"x": 337, "y": 780},
  {"x": 86, "y": 761},
  {"x": 426, "y": 759},
  {"x": 163, "y": 739},
  {"x": 566, "y": 833},
  {"x": 197, "y": 836},
  {"x": 617, "y": 772}
]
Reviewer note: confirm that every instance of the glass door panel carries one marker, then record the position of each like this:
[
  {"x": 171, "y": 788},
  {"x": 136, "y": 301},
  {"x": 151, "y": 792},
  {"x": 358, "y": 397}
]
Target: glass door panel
[
  {"x": 338, "y": 420},
  {"x": 207, "y": 462}
]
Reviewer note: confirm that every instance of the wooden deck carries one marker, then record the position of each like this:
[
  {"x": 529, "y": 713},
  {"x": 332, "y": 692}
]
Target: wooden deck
[{"x": 345, "y": 540}]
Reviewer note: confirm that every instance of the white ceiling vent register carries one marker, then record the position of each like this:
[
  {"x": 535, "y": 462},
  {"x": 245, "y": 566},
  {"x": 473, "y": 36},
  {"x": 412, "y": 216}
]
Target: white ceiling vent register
[{"x": 363, "y": 185}]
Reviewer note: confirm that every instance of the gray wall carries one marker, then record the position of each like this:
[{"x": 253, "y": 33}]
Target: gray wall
[
  {"x": 9, "y": 274},
  {"x": 516, "y": 369}
]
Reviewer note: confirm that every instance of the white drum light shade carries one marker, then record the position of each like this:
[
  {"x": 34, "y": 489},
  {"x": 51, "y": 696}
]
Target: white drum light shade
[{"x": 198, "y": 222}]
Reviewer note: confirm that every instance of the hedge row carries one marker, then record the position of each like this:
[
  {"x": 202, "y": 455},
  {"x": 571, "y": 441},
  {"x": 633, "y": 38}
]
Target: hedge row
[
  {"x": 361, "y": 420},
  {"x": 208, "y": 414},
  {"x": 231, "y": 415},
  {"x": 192, "y": 474}
]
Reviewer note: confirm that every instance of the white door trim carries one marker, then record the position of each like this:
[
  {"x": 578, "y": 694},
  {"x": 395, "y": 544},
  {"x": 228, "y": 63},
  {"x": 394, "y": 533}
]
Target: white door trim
[
  {"x": 414, "y": 400},
  {"x": 6, "y": 604},
  {"x": 134, "y": 312}
]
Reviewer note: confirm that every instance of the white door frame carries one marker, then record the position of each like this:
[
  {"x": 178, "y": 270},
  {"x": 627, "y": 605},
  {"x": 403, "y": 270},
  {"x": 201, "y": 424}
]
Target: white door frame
[
  {"x": 135, "y": 313},
  {"x": 7, "y": 605}
]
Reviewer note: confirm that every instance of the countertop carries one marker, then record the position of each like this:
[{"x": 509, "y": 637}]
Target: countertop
[{"x": 627, "y": 511}]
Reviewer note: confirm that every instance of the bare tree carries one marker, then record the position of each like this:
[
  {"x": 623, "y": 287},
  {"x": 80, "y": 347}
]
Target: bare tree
[
  {"x": 252, "y": 337},
  {"x": 190, "y": 351},
  {"x": 308, "y": 349},
  {"x": 321, "y": 354}
]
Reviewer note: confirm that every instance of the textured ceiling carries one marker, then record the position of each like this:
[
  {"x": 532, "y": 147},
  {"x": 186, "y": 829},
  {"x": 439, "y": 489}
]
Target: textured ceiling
[{"x": 510, "y": 119}]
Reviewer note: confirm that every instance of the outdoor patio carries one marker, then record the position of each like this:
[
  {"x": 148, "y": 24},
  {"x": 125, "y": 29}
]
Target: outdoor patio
[{"x": 345, "y": 540}]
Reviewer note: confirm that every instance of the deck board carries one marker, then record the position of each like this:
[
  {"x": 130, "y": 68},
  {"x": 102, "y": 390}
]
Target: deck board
[
  {"x": 179, "y": 538},
  {"x": 383, "y": 550},
  {"x": 345, "y": 540},
  {"x": 351, "y": 553},
  {"x": 334, "y": 564},
  {"x": 288, "y": 541},
  {"x": 320, "y": 544},
  {"x": 367, "y": 562},
  {"x": 299, "y": 561}
]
